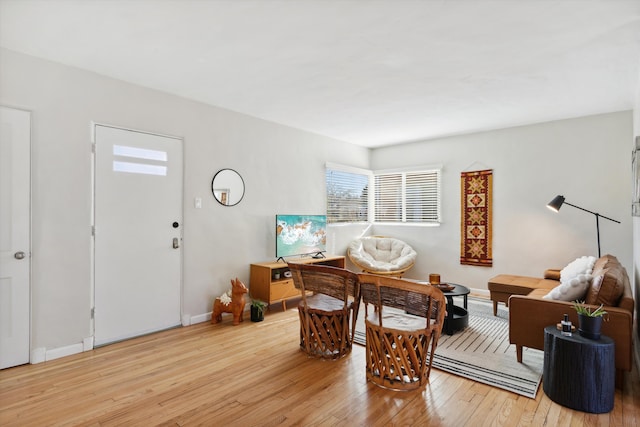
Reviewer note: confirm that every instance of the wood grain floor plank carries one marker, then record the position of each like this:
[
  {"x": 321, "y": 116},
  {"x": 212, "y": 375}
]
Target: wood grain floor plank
[{"x": 254, "y": 374}]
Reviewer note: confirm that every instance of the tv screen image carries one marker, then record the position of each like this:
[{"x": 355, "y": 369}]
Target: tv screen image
[{"x": 300, "y": 235}]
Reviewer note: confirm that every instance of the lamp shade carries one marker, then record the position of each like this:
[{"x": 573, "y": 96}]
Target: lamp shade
[{"x": 556, "y": 203}]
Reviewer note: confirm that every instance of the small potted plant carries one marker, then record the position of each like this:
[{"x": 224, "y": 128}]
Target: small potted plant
[
  {"x": 257, "y": 310},
  {"x": 589, "y": 319}
]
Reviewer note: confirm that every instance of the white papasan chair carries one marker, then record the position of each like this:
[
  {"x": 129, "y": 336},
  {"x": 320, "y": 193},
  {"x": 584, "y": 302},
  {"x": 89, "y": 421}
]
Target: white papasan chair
[{"x": 382, "y": 255}]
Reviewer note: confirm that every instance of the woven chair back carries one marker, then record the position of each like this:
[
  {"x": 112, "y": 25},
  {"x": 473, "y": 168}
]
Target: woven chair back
[
  {"x": 400, "y": 357},
  {"x": 322, "y": 279},
  {"x": 328, "y": 316}
]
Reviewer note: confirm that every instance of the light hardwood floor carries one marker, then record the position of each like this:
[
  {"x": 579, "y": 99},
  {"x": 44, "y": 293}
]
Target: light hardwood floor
[{"x": 255, "y": 375}]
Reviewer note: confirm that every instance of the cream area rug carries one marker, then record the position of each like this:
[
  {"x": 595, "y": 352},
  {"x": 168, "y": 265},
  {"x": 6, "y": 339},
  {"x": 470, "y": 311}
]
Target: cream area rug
[{"x": 482, "y": 352}]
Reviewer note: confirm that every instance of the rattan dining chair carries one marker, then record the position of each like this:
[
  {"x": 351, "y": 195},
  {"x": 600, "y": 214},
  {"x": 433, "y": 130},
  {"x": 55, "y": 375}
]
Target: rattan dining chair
[
  {"x": 327, "y": 317},
  {"x": 402, "y": 327}
]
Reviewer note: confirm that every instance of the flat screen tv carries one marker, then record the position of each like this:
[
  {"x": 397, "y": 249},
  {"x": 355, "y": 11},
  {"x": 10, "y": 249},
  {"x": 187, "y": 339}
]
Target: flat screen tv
[{"x": 301, "y": 235}]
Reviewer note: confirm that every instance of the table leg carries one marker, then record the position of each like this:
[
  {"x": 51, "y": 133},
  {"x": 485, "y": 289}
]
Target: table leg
[{"x": 449, "y": 329}]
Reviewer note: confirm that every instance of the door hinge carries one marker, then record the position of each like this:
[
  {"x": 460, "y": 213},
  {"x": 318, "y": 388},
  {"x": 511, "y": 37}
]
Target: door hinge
[
  {"x": 93, "y": 147},
  {"x": 93, "y": 230},
  {"x": 93, "y": 313}
]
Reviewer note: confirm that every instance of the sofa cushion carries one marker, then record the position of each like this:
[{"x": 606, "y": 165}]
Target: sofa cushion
[
  {"x": 609, "y": 287},
  {"x": 577, "y": 269},
  {"x": 575, "y": 278},
  {"x": 538, "y": 293},
  {"x": 516, "y": 285},
  {"x": 605, "y": 261},
  {"x": 570, "y": 291}
]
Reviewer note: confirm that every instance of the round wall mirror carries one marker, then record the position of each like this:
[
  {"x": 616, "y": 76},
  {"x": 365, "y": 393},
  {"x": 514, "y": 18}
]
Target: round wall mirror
[{"x": 227, "y": 187}]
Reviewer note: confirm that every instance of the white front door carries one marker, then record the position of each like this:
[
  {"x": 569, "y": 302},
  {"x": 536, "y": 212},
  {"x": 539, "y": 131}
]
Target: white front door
[
  {"x": 15, "y": 242},
  {"x": 138, "y": 233}
]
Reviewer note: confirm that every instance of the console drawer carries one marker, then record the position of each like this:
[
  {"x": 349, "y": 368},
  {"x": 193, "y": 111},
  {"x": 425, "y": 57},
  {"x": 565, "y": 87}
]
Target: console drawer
[{"x": 283, "y": 289}]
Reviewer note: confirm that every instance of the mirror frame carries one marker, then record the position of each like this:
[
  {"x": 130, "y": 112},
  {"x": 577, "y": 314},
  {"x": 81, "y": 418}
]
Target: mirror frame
[{"x": 225, "y": 198}]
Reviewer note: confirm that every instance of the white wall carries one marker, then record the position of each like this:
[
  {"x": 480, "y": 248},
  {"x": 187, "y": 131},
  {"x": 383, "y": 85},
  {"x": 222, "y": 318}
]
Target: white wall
[
  {"x": 585, "y": 159},
  {"x": 283, "y": 169}
]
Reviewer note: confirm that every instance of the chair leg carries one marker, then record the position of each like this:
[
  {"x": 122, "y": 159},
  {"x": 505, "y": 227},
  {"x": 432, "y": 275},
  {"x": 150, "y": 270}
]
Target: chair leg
[
  {"x": 619, "y": 379},
  {"x": 519, "y": 353},
  {"x": 495, "y": 308}
]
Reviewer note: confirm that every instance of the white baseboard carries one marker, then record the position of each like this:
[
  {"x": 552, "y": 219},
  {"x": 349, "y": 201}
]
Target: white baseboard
[
  {"x": 38, "y": 355},
  {"x": 186, "y": 319},
  {"x": 87, "y": 344},
  {"x": 57, "y": 353},
  {"x": 42, "y": 354},
  {"x": 205, "y": 317}
]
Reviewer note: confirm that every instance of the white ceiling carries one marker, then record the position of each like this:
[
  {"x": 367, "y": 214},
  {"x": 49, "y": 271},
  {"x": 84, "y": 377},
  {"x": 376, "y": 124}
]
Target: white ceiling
[{"x": 368, "y": 72}]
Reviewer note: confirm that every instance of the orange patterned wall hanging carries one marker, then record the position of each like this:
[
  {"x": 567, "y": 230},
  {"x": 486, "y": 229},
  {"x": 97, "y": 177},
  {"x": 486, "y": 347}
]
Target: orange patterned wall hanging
[{"x": 475, "y": 245}]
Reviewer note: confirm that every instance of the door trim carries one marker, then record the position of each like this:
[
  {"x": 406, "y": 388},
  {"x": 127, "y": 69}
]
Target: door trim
[
  {"x": 93, "y": 125},
  {"x": 32, "y": 357}
]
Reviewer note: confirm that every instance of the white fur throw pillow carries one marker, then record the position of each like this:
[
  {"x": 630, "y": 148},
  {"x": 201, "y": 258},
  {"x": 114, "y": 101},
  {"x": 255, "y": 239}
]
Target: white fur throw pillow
[{"x": 575, "y": 279}]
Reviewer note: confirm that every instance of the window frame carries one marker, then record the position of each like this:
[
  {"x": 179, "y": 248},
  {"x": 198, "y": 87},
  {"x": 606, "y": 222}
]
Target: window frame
[
  {"x": 403, "y": 172},
  {"x": 351, "y": 170},
  {"x": 372, "y": 193}
]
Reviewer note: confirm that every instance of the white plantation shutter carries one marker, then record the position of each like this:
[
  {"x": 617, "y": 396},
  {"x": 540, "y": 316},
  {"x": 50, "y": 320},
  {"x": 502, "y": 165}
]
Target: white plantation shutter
[
  {"x": 347, "y": 195},
  {"x": 388, "y": 195},
  {"x": 408, "y": 197}
]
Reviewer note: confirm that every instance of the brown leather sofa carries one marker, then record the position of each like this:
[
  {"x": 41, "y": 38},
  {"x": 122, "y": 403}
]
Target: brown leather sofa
[{"x": 529, "y": 313}]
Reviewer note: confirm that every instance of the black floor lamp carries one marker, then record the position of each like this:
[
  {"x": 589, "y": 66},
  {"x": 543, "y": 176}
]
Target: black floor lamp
[{"x": 558, "y": 201}]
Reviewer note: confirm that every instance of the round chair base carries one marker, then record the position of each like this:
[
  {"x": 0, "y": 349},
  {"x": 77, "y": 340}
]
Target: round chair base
[
  {"x": 328, "y": 335},
  {"x": 396, "y": 359},
  {"x": 395, "y": 273}
]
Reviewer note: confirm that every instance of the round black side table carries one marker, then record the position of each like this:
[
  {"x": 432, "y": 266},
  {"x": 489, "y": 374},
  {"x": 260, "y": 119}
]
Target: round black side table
[
  {"x": 457, "y": 317},
  {"x": 579, "y": 373}
]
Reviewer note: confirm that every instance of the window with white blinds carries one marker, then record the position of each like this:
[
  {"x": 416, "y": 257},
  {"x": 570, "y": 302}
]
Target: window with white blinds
[
  {"x": 407, "y": 197},
  {"x": 388, "y": 198},
  {"x": 347, "y": 195},
  {"x": 397, "y": 197}
]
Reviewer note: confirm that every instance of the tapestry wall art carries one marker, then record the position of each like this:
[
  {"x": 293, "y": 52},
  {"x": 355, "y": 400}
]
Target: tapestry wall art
[{"x": 476, "y": 203}]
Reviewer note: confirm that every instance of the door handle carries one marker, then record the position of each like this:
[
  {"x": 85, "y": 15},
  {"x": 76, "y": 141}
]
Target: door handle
[
  {"x": 19, "y": 255},
  {"x": 176, "y": 243}
]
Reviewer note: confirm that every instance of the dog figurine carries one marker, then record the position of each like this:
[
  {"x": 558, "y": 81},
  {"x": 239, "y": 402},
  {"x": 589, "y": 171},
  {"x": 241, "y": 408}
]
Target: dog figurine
[{"x": 231, "y": 301}]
